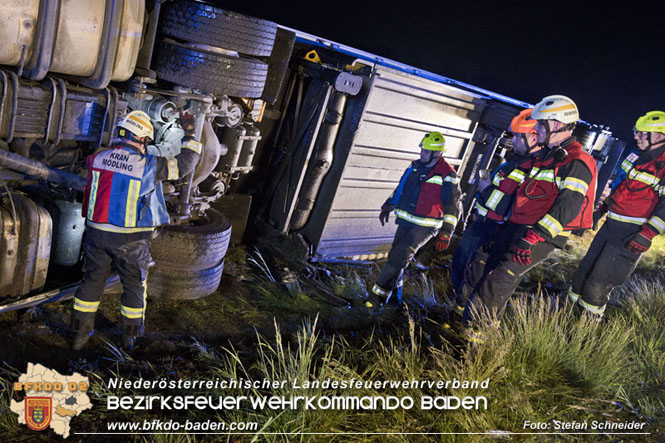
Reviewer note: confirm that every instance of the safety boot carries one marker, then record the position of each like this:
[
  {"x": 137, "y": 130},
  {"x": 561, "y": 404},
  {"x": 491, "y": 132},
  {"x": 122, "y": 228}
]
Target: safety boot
[
  {"x": 83, "y": 328},
  {"x": 129, "y": 334}
]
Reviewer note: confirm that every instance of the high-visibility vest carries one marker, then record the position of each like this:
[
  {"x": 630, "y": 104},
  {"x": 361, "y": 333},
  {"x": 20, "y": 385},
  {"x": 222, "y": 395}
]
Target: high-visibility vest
[
  {"x": 541, "y": 188},
  {"x": 122, "y": 191},
  {"x": 635, "y": 198},
  {"x": 418, "y": 196}
]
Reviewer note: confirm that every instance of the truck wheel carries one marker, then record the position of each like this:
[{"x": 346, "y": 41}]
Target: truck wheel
[
  {"x": 209, "y": 71},
  {"x": 183, "y": 284},
  {"x": 200, "y": 23},
  {"x": 201, "y": 245}
]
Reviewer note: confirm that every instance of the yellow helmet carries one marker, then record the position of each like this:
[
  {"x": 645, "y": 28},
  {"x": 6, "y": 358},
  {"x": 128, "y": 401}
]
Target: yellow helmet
[
  {"x": 139, "y": 124},
  {"x": 556, "y": 107},
  {"x": 433, "y": 141},
  {"x": 653, "y": 121}
]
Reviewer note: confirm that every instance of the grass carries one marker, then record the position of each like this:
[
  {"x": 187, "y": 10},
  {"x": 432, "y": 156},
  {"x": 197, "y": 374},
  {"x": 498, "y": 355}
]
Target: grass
[{"x": 544, "y": 361}]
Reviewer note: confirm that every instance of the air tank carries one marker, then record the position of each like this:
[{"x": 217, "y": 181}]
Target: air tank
[{"x": 68, "y": 228}]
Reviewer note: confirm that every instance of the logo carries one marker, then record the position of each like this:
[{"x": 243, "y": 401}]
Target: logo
[
  {"x": 49, "y": 399},
  {"x": 38, "y": 412}
]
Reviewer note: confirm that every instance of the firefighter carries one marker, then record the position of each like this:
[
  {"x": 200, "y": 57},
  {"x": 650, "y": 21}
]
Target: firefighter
[
  {"x": 635, "y": 215},
  {"x": 493, "y": 203},
  {"x": 123, "y": 204},
  {"x": 426, "y": 206},
  {"x": 555, "y": 196}
]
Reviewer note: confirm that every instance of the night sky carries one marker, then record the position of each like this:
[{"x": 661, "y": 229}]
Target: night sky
[{"x": 609, "y": 60}]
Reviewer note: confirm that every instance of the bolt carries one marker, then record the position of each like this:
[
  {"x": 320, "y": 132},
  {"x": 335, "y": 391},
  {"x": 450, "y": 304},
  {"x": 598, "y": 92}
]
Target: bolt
[{"x": 27, "y": 24}]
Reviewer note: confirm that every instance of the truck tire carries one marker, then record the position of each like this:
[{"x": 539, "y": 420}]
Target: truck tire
[
  {"x": 209, "y": 71},
  {"x": 200, "y": 23},
  {"x": 181, "y": 284},
  {"x": 193, "y": 247}
]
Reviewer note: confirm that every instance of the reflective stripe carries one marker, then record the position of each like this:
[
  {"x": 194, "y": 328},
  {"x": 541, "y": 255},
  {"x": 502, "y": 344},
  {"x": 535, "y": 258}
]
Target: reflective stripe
[
  {"x": 435, "y": 179},
  {"x": 494, "y": 200},
  {"x": 481, "y": 209},
  {"x": 131, "y": 312},
  {"x": 172, "y": 165},
  {"x": 626, "y": 165},
  {"x": 450, "y": 219},
  {"x": 657, "y": 223},
  {"x": 572, "y": 296},
  {"x": 643, "y": 177},
  {"x": 626, "y": 219},
  {"x": 85, "y": 306},
  {"x": 452, "y": 179},
  {"x": 92, "y": 197},
  {"x": 551, "y": 225},
  {"x": 533, "y": 171},
  {"x": 192, "y": 145},
  {"x": 546, "y": 175},
  {"x": 592, "y": 308},
  {"x": 121, "y": 229},
  {"x": 378, "y": 290},
  {"x": 420, "y": 221},
  {"x": 132, "y": 203},
  {"x": 517, "y": 175},
  {"x": 575, "y": 184}
]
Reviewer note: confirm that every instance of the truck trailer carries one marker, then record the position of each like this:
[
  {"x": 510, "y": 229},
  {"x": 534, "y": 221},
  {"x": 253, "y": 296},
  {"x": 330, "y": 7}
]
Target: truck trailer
[{"x": 303, "y": 138}]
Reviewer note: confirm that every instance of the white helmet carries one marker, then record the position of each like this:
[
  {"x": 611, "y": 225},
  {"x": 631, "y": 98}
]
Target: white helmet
[
  {"x": 139, "y": 124},
  {"x": 556, "y": 107}
]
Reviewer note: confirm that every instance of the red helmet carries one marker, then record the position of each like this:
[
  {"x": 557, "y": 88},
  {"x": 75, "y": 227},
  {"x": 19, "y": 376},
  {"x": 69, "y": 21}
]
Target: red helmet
[{"x": 523, "y": 124}]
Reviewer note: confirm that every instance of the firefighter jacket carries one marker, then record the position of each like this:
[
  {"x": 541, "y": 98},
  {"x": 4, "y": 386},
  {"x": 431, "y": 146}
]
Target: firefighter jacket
[
  {"x": 558, "y": 193},
  {"x": 428, "y": 196},
  {"x": 639, "y": 196},
  {"x": 495, "y": 200},
  {"x": 124, "y": 191}
]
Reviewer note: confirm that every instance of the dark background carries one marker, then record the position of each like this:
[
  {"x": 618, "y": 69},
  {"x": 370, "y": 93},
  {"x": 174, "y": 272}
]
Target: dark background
[{"x": 609, "y": 58}]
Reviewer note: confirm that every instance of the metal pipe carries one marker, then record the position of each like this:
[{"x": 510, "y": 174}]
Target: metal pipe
[
  {"x": 310, "y": 149},
  {"x": 322, "y": 162},
  {"x": 40, "y": 170}
]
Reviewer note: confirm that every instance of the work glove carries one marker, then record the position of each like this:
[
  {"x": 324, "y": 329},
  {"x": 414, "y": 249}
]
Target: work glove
[
  {"x": 522, "y": 249},
  {"x": 598, "y": 214},
  {"x": 641, "y": 242},
  {"x": 442, "y": 242},
  {"x": 384, "y": 215},
  {"x": 188, "y": 124}
]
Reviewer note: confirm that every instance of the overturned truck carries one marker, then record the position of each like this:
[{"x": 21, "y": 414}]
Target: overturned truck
[{"x": 303, "y": 138}]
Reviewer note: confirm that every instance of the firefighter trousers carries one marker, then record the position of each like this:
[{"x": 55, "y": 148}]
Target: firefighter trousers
[
  {"x": 480, "y": 234},
  {"x": 606, "y": 264},
  {"x": 409, "y": 238},
  {"x": 486, "y": 258},
  {"x": 131, "y": 257},
  {"x": 496, "y": 286}
]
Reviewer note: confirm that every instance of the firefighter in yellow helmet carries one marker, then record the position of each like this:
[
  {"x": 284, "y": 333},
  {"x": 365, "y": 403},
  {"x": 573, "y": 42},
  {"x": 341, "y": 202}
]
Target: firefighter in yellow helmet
[
  {"x": 426, "y": 206},
  {"x": 635, "y": 215},
  {"x": 123, "y": 203}
]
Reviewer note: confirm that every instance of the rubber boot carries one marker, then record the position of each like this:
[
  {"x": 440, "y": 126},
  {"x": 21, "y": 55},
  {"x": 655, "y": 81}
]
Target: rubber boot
[
  {"x": 129, "y": 334},
  {"x": 83, "y": 326}
]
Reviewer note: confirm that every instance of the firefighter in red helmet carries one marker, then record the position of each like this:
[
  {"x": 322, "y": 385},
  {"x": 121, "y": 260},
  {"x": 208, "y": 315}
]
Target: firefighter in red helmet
[{"x": 493, "y": 202}]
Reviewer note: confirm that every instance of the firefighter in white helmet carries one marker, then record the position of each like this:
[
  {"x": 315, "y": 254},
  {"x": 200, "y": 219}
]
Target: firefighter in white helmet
[
  {"x": 425, "y": 205},
  {"x": 554, "y": 197},
  {"x": 123, "y": 203}
]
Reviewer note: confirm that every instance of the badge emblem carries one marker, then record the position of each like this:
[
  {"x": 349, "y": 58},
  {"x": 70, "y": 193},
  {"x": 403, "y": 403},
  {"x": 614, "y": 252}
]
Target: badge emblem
[{"x": 38, "y": 412}]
